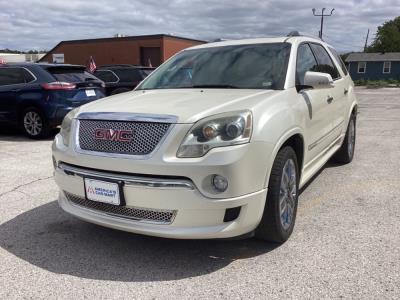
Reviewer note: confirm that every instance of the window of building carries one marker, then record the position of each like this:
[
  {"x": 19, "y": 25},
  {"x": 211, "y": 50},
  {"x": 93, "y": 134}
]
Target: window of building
[
  {"x": 362, "y": 66},
  {"x": 386, "y": 67}
]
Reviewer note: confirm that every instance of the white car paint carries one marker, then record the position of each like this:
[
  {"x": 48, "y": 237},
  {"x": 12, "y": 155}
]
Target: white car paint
[{"x": 277, "y": 116}]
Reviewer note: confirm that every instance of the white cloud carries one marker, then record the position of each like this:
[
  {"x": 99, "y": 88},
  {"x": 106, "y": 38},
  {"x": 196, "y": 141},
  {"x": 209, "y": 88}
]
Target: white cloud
[{"x": 37, "y": 24}]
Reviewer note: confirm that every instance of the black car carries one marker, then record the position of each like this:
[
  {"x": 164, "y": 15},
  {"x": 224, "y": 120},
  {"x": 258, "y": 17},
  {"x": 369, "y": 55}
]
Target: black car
[
  {"x": 36, "y": 97},
  {"x": 121, "y": 78}
]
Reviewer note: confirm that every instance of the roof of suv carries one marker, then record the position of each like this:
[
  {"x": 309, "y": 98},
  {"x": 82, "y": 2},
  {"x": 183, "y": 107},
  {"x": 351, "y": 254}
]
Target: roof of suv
[
  {"x": 288, "y": 39},
  {"x": 45, "y": 65}
]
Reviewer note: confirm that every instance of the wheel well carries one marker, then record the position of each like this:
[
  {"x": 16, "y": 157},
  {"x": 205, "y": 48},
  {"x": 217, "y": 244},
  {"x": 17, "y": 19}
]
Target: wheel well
[
  {"x": 297, "y": 143},
  {"x": 354, "y": 111},
  {"x": 24, "y": 106}
]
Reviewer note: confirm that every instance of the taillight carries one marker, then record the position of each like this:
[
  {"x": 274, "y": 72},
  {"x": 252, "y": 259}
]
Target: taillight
[{"x": 58, "y": 85}]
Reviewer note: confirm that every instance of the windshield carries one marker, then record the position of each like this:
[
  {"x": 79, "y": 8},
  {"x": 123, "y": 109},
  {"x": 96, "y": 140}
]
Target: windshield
[{"x": 255, "y": 66}]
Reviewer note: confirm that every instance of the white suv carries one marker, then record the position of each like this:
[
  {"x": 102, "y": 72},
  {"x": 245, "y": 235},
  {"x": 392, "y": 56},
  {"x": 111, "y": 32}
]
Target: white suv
[{"x": 213, "y": 144}]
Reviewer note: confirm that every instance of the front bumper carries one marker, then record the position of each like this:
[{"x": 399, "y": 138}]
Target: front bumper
[{"x": 196, "y": 216}]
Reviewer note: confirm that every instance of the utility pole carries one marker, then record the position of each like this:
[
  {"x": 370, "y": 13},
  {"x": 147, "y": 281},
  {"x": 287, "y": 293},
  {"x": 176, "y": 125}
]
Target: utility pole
[
  {"x": 322, "y": 15},
  {"x": 366, "y": 41}
]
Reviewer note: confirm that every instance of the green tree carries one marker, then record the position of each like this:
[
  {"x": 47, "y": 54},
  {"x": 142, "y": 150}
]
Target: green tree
[{"x": 387, "y": 37}]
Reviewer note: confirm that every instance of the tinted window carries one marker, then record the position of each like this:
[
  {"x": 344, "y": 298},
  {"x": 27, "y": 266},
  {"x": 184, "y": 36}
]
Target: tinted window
[
  {"x": 305, "y": 62},
  {"x": 129, "y": 75},
  {"x": 256, "y": 66},
  {"x": 106, "y": 76},
  {"x": 70, "y": 74},
  {"x": 12, "y": 76},
  {"x": 339, "y": 60},
  {"x": 325, "y": 64}
]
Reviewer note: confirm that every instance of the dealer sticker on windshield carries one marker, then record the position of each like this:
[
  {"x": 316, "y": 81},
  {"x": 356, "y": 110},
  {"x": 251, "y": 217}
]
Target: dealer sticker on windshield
[{"x": 102, "y": 191}]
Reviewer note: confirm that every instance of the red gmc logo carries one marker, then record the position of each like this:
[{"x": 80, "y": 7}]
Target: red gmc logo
[{"x": 113, "y": 135}]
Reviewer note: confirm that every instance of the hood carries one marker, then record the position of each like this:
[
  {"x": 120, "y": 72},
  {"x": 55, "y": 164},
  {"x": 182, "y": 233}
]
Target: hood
[{"x": 189, "y": 105}]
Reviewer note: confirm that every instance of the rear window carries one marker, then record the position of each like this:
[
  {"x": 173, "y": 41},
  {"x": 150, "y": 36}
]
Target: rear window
[
  {"x": 146, "y": 72},
  {"x": 339, "y": 60},
  {"x": 67, "y": 74},
  {"x": 106, "y": 76},
  {"x": 129, "y": 75}
]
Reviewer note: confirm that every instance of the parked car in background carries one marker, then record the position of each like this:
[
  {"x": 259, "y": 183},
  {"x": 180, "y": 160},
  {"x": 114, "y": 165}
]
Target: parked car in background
[
  {"x": 216, "y": 143},
  {"x": 121, "y": 78},
  {"x": 36, "y": 97}
]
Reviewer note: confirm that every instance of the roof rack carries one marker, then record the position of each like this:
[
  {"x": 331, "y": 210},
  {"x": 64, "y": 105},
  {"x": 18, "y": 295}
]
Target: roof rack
[{"x": 294, "y": 33}]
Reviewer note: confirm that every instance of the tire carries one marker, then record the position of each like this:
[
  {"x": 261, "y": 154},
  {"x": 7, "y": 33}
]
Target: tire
[
  {"x": 345, "y": 153},
  {"x": 119, "y": 91},
  {"x": 277, "y": 223},
  {"x": 33, "y": 124}
]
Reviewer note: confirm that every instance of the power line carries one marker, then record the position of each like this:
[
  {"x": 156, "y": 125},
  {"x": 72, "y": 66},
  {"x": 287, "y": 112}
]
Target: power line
[{"x": 322, "y": 15}]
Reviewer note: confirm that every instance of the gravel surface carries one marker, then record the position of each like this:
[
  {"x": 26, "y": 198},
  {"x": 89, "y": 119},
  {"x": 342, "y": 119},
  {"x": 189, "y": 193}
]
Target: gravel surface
[{"x": 346, "y": 243}]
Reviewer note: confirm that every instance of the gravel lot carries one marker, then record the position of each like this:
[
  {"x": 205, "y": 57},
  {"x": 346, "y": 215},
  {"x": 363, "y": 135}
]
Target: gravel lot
[{"x": 346, "y": 242}]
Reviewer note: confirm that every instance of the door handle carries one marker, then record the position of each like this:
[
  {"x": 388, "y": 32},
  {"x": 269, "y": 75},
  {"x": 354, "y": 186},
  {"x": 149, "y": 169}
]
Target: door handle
[
  {"x": 15, "y": 90},
  {"x": 346, "y": 91},
  {"x": 329, "y": 99}
]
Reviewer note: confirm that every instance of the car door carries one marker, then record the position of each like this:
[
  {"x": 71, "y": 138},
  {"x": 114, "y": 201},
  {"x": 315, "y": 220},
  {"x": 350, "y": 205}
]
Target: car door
[
  {"x": 336, "y": 94},
  {"x": 343, "y": 86},
  {"x": 319, "y": 121},
  {"x": 11, "y": 81}
]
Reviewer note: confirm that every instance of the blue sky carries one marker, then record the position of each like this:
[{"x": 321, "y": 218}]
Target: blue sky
[{"x": 31, "y": 24}]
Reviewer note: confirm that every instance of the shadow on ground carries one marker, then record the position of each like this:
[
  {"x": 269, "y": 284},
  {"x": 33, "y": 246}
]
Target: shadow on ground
[
  {"x": 15, "y": 135},
  {"x": 50, "y": 239}
]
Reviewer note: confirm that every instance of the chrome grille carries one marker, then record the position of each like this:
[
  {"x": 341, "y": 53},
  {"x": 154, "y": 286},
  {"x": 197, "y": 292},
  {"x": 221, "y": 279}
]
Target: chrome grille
[
  {"x": 146, "y": 136},
  {"x": 135, "y": 213}
]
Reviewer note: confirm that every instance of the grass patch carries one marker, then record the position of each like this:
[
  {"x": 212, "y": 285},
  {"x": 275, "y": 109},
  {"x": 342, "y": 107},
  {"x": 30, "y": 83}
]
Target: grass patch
[{"x": 378, "y": 83}]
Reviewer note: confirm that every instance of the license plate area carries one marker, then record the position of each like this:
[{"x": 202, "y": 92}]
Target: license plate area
[
  {"x": 90, "y": 93},
  {"x": 104, "y": 190}
]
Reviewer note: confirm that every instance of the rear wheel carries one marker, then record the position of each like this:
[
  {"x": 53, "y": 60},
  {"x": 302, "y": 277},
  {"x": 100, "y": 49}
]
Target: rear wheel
[
  {"x": 281, "y": 205},
  {"x": 345, "y": 153},
  {"x": 34, "y": 124}
]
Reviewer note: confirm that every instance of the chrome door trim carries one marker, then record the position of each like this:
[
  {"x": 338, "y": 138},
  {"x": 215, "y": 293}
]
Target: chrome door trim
[{"x": 313, "y": 145}]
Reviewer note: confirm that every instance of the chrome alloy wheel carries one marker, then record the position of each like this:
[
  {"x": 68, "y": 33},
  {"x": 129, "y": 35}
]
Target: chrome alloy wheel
[
  {"x": 33, "y": 123},
  {"x": 351, "y": 138},
  {"x": 288, "y": 194}
]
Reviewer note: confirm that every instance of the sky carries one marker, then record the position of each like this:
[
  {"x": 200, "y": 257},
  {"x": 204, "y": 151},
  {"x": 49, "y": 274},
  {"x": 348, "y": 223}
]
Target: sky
[{"x": 41, "y": 24}]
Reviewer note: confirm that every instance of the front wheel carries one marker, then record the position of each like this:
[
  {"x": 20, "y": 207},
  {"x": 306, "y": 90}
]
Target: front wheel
[
  {"x": 281, "y": 205},
  {"x": 345, "y": 153}
]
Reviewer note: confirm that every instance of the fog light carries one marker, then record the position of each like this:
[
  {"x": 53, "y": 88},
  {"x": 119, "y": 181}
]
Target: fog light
[{"x": 220, "y": 183}]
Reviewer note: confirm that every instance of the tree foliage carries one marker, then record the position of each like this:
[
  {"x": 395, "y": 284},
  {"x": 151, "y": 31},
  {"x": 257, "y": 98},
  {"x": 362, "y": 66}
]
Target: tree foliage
[{"x": 387, "y": 37}]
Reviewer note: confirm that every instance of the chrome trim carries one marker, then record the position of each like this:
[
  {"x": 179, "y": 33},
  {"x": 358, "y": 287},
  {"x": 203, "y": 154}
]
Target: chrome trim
[
  {"x": 121, "y": 116},
  {"x": 113, "y": 116},
  {"x": 128, "y": 179},
  {"x": 313, "y": 145}
]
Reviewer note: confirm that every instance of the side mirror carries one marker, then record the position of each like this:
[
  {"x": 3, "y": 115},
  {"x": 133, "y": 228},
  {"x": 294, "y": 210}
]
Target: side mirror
[{"x": 318, "y": 80}]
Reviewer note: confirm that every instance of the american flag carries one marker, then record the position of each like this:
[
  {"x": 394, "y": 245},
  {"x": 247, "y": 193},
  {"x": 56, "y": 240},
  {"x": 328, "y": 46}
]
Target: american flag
[
  {"x": 149, "y": 63},
  {"x": 91, "y": 65}
]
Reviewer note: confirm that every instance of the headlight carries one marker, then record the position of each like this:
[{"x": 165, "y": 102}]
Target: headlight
[
  {"x": 66, "y": 126},
  {"x": 217, "y": 131}
]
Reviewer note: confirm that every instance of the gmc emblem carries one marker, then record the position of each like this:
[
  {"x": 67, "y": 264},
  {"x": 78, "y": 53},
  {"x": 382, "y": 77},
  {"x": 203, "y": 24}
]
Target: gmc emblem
[{"x": 113, "y": 135}]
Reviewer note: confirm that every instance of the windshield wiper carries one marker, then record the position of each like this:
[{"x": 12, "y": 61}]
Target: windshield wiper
[{"x": 215, "y": 86}]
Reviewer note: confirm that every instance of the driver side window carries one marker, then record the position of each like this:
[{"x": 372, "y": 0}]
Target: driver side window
[{"x": 305, "y": 62}]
